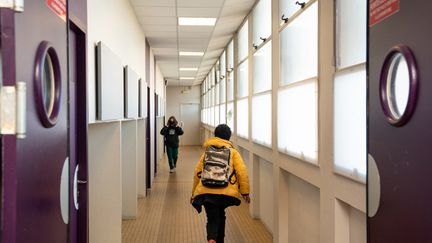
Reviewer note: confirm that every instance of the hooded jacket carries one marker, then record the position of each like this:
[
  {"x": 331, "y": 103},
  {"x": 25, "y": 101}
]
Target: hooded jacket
[
  {"x": 171, "y": 135},
  {"x": 241, "y": 185}
]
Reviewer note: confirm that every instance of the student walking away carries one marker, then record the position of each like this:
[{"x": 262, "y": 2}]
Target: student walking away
[
  {"x": 171, "y": 133},
  {"x": 220, "y": 180}
]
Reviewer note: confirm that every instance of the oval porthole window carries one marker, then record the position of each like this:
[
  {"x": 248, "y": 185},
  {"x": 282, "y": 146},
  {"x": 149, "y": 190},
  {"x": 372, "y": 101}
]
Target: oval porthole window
[
  {"x": 47, "y": 84},
  {"x": 398, "y": 85}
]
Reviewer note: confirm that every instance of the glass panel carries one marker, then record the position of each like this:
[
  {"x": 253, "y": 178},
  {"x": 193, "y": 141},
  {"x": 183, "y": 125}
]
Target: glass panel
[
  {"x": 230, "y": 88},
  {"x": 222, "y": 90},
  {"x": 262, "y": 71},
  {"x": 351, "y": 32},
  {"x": 222, "y": 64},
  {"x": 243, "y": 42},
  {"x": 398, "y": 85},
  {"x": 230, "y": 115},
  {"x": 261, "y": 21},
  {"x": 297, "y": 121},
  {"x": 299, "y": 47},
  {"x": 262, "y": 119},
  {"x": 217, "y": 92},
  {"x": 216, "y": 113},
  {"x": 289, "y": 7},
  {"x": 242, "y": 118},
  {"x": 222, "y": 119},
  {"x": 47, "y": 84},
  {"x": 230, "y": 56},
  {"x": 350, "y": 122},
  {"x": 243, "y": 81},
  {"x": 212, "y": 116}
]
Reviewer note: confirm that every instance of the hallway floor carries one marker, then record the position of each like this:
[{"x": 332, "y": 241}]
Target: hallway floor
[{"x": 166, "y": 215}]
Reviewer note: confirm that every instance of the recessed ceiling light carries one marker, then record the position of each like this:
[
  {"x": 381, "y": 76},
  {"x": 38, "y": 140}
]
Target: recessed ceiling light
[
  {"x": 191, "y": 53},
  {"x": 187, "y": 78},
  {"x": 188, "y": 69},
  {"x": 197, "y": 21}
]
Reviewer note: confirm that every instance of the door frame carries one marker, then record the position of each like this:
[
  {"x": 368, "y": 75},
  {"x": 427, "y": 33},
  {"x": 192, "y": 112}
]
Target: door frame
[{"x": 82, "y": 130}]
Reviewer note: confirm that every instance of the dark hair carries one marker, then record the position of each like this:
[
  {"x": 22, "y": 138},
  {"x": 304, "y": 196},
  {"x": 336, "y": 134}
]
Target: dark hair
[
  {"x": 174, "y": 123},
  {"x": 223, "y": 131}
]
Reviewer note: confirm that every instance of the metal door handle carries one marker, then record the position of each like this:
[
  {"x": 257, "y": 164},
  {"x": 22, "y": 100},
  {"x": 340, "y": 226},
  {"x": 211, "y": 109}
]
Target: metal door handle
[{"x": 81, "y": 182}]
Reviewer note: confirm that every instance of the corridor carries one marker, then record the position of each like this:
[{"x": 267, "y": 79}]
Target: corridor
[{"x": 165, "y": 215}]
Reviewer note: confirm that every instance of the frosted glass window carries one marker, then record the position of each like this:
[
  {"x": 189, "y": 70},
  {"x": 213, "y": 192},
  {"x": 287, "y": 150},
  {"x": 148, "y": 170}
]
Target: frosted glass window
[
  {"x": 351, "y": 32},
  {"x": 350, "y": 122},
  {"x": 261, "y": 119},
  {"x": 222, "y": 64},
  {"x": 217, "y": 94},
  {"x": 212, "y": 116},
  {"x": 262, "y": 71},
  {"x": 213, "y": 95},
  {"x": 242, "y": 118},
  {"x": 217, "y": 73},
  {"x": 212, "y": 77},
  {"x": 230, "y": 56},
  {"x": 243, "y": 42},
  {"x": 217, "y": 114},
  {"x": 230, "y": 115},
  {"x": 299, "y": 47},
  {"x": 222, "y": 119},
  {"x": 222, "y": 91},
  {"x": 230, "y": 87},
  {"x": 242, "y": 80},
  {"x": 289, "y": 7},
  {"x": 297, "y": 121},
  {"x": 261, "y": 21}
]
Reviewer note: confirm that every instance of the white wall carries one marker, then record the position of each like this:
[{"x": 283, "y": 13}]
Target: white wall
[
  {"x": 175, "y": 98},
  {"x": 114, "y": 23}
]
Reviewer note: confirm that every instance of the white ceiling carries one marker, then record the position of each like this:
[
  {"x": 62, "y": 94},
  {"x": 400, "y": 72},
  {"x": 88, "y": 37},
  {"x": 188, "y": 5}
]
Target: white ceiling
[{"x": 158, "y": 19}]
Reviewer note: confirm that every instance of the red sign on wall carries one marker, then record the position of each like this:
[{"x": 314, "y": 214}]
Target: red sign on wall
[
  {"x": 381, "y": 9},
  {"x": 58, "y": 7}
]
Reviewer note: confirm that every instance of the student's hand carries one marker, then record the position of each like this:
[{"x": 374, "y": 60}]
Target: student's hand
[{"x": 246, "y": 198}]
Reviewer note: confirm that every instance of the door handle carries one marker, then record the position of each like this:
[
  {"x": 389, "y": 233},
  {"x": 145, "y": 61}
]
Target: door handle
[{"x": 81, "y": 182}]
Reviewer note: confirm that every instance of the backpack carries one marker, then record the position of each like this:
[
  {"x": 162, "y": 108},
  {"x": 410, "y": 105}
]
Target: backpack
[{"x": 216, "y": 167}]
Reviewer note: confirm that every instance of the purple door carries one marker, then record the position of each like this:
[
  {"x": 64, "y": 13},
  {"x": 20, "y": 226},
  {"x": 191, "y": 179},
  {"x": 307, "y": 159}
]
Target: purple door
[
  {"x": 400, "y": 122},
  {"x": 42, "y": 213}
]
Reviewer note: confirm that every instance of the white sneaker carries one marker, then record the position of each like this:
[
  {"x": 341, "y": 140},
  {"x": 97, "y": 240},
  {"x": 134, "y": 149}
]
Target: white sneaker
[
  {"x": 174, "y": 169},
  {"x": 171, "y": 170}
]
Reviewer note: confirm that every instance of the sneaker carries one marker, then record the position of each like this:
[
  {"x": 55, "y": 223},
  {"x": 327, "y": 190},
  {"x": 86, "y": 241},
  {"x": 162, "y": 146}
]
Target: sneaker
[
  {"x": 171, "y": 170},
  {"x": 174, "y": 169}
]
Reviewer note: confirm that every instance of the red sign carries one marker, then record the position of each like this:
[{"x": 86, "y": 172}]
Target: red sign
[
  {"x": 381, "y": 9},
  {"x": 58, "y": 7}
]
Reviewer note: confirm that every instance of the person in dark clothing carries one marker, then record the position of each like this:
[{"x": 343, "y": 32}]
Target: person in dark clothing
[
  {"x": 216, "y": 200},
  {"x": 171, "y": 133}
]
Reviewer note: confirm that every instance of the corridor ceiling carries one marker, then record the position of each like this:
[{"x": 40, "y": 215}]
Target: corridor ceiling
[{"x": 159, "y": 21}]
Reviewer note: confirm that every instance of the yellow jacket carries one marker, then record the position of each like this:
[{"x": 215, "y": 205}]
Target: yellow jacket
[{"x": 241, "y": 185}]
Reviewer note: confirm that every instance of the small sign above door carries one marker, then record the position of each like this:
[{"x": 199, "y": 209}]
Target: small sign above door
[
  {"x": 58, "y": 7},
  {"x": 381, "y": 9}
]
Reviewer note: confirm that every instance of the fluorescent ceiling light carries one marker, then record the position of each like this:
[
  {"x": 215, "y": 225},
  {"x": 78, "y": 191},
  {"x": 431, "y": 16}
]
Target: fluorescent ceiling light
[
  {"x": 197, "y": 21},
  {"x": 187, "y": 78},
  {"x": 191, "y": 53},
  {"x": 188, "y": 69}
]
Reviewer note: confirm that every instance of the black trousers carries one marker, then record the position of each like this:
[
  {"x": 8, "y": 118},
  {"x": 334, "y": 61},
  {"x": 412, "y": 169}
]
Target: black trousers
[{"x": 215, "y": 222}]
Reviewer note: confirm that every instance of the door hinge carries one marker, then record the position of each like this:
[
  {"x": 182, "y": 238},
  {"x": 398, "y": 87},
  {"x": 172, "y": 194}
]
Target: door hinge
[
  {"x": 16, "y": 5},
  {"x": 13, "y": 110}
]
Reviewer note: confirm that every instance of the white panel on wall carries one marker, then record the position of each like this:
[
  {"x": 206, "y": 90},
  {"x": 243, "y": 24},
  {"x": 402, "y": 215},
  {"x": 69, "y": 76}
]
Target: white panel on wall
[
  {"x": 143, "y": 98},
  {"x": 131, "y": 83},
  {"x": 109, "y": 84},
  {"x": 129, "y": 169},
  {"x": 266, "y": 193}
]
